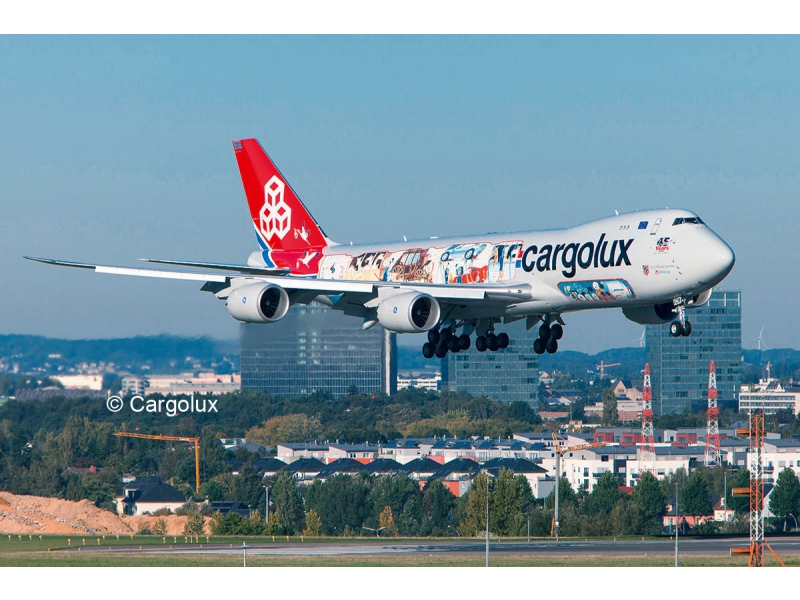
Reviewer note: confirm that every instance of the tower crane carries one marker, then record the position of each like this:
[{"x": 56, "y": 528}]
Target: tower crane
[
  {"x": 603, "y": 366},
  {"x": 559, "y": 453},
  {"x": 172, "y": 438}
]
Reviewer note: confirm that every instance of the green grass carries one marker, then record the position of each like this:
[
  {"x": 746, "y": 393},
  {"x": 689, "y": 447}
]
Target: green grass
[
  {"x": 32, "y": 551},
  {"x": 95, "y": 559}
]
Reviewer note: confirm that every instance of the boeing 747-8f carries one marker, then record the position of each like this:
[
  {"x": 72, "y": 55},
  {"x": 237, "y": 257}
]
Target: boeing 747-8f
[{"x": 652, "y": 264}]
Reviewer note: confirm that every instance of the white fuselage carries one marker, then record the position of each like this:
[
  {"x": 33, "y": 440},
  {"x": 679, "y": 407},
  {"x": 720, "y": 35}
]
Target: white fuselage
[{"x": 635, "y": 259}]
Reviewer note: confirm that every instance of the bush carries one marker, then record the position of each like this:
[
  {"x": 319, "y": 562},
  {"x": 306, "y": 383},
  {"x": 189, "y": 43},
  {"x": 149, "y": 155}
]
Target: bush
[
  {"x": 160, "y": 528},
  {"x": 162, "y": 512},
  {"x": 189, "y": 508},
  {"x": 195, "y": 524}
]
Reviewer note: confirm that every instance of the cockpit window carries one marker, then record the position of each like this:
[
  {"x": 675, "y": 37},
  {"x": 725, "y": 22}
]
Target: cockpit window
[{"x": 690, "y": 220}]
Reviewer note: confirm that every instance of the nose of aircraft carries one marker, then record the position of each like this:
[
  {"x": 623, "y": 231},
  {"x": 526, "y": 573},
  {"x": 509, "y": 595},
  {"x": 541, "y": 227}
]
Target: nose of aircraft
[{"x": 722, "y": 258}]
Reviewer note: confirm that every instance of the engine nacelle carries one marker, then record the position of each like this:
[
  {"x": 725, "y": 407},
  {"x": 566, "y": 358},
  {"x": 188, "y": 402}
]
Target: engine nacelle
[
  {"x": 700, "y": 299},
  {"x": 409, "y": 312},
  {"x": 656, "y": 314},
  {"x": 258, "y": 303}
]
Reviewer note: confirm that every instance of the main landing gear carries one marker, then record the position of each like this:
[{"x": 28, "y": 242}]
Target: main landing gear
[
  {"x": 440, "y": 342},
  {"x": 681, "y": 327},
  {"x": 548, "y": 338}
]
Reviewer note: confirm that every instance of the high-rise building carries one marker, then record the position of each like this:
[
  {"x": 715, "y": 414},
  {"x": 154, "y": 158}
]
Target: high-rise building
[
  {"x": 315, "y": 349},
  {"x": 679, "y": 366},
  {"x": 509, "y": 375}
]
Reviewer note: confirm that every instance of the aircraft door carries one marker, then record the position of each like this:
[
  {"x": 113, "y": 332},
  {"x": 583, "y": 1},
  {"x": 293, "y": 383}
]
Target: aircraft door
[{"x": 656, "y": 225}]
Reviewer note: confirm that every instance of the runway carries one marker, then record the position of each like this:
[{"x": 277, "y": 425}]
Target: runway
[{"x": 627, "y": 547}]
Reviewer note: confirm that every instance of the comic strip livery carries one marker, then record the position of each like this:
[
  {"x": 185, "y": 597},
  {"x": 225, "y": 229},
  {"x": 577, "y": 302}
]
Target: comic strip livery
[{"x": 652, "y": 264}]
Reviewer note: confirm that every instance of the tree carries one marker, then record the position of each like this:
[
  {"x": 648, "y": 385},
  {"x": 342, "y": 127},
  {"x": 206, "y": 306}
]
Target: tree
[
  {"x": 785, "y": 497},
  {"x": 386, "y": 521},
  {"x": 740, "y": 504},
  {"x": 473, "y": 523},
  {"x": 286, "y": 428},
  {"x": 403, "y": 495},
  {"x": 313, "y": 524},
  {"x": 610, "y": 413},
  {"x": 647, "y": 495},
  {"x": 341, "y": 501},
  {"x": 627, "y": 518},
  {"x": 509, "y": 504},
  {"x": 604, "y": 495},
  {"x": 288, "y": 504},
  {"x": 439, "y": 507},
  {"x": 565, "y": 494},
  {"x": 695, "y": 499}
]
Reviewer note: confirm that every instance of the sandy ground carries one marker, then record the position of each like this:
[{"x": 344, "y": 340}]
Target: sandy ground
[{"x": 36, "y": 514}]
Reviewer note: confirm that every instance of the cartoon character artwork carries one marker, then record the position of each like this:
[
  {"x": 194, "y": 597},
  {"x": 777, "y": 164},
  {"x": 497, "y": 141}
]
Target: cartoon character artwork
[
  {"x": 504, "y": 260},
  {"x": 366, "y": 267},
  {"x": 604, "y": 290},
  {"x": 458, "y": 264},
  {"x": 463, "y": 263},
  {"x": 412, "y": 265}
]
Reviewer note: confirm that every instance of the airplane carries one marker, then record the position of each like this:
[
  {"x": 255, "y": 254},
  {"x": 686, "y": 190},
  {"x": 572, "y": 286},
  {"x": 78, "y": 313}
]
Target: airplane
[{"x": 653, "y": 264}]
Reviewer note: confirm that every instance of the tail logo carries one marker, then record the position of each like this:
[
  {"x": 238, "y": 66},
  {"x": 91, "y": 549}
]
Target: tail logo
[{"x": 276, "y": 215}]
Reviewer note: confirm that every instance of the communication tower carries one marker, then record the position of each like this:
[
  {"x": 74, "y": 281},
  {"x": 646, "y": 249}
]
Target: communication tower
[
  {"x": 647, "y": 451},
  {"x": 712, "y": 429}
]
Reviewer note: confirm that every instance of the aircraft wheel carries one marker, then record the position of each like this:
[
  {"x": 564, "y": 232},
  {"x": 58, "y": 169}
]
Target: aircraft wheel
[
  {"x": 464, "y": 342},
  {"x": 441, "y": 351},
  {"x": 428, "y": 350},
  {"x": 544, "y": 332},
  {"x": 539, "y": 346},
  {"x": 433, "y": 336},
  {"x": 480, "y": 343},
  {"x": 552, "y": 346},
  {"x": 503, "y": 340},
  {"x": 675, "y": 329},
  {"x": 453, "y": 344},
  {"x": 557, "y": 331},
  {"x": 687, "y": 328},
  {"x": 491, "y": 342}
]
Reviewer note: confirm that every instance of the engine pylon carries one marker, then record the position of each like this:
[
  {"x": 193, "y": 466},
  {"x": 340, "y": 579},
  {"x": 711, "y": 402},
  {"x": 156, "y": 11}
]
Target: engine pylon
[{"x": 712, "y": 428}]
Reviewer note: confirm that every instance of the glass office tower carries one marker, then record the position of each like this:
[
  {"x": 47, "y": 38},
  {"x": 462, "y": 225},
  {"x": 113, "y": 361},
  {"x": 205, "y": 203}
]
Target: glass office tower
[
  {"x": 679, "y": 366},
  {"x": 509, "y": 375},
  {"x": 314, "y": 348}
]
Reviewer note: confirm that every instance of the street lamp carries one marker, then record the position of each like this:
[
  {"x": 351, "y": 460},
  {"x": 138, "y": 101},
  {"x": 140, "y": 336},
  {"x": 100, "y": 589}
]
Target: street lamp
[
  {"x": 487, "y": 519},
  {"x": 266, "y": 505},
  {"x": 676, "y": 522},
  {"x": 456, "y": 530},
  {"x": 795, "y": 520}
]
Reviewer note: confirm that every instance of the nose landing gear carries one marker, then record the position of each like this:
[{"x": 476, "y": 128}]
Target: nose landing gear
[{"x": 681, "y": 327}]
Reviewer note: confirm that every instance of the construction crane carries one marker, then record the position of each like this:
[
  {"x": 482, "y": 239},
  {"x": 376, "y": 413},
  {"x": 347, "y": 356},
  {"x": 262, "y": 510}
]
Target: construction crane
[
  {"x": 172, "y": 438},
  {"x": 756, "y": 434},
  {"x": 559, "y": 453},
  {"x": 603, "y": 366}
]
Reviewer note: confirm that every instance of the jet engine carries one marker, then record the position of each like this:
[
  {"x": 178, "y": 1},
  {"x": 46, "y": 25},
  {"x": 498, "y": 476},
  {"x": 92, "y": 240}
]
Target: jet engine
[
  {"x": 258, "y": 303},
  {"x": 700, "y": 299},
  {"x": 409, "y": 312},
  {"x": 656, "y": 314}
]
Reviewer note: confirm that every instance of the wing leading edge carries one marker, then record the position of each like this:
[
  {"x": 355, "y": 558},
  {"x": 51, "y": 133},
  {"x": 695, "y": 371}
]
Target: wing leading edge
[{"x": 501, "y": 294}]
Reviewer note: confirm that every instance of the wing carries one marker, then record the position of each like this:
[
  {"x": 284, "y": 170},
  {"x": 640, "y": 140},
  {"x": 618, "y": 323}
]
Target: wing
[{"x": 356, "y": 298}]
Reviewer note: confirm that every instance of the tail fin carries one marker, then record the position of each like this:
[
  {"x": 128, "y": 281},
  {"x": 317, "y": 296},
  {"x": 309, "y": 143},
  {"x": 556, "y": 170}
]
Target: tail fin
[{"x": 288, "y": 234}]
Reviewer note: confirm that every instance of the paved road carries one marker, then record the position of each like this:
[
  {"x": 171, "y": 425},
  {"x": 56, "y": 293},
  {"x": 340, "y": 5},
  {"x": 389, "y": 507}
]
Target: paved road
[{"x": 688, "y": 546}]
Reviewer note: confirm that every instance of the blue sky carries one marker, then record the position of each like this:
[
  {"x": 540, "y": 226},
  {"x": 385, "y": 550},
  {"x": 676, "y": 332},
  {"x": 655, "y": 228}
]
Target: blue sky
[{"x": 117, "y": 148}]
